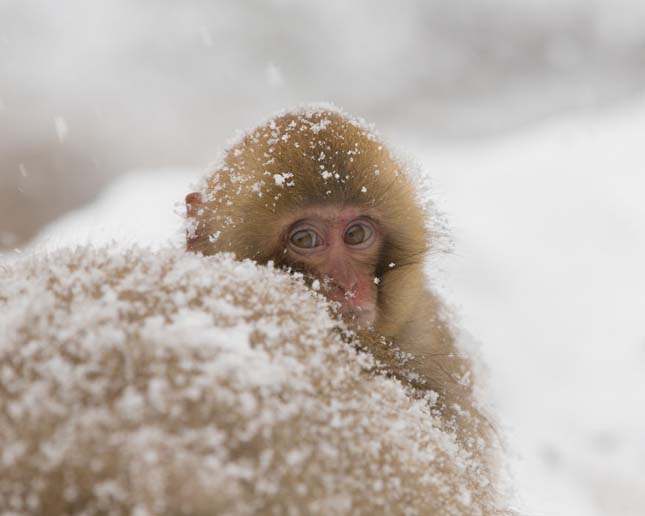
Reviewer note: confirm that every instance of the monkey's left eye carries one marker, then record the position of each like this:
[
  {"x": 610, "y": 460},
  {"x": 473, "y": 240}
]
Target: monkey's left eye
[
  {"x": 358, "y": 233},
  {"x": 305, "y": 239}
]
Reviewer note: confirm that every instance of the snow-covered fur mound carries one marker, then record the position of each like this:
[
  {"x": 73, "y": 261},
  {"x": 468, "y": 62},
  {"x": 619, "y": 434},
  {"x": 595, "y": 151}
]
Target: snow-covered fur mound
[{"x": 171, "y": 383}]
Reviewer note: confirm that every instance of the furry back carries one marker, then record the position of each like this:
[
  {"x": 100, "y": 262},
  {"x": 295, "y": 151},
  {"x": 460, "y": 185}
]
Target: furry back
[{"x": 171, "y": 383}]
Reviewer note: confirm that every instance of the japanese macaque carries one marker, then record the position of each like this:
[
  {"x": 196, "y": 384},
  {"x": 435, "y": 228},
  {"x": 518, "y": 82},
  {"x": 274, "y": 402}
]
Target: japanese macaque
[{"x": 317, "y": 192}]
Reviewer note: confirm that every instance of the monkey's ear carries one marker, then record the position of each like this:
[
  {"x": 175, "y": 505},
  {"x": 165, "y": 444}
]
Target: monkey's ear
[{"x": 193, "y": 201}]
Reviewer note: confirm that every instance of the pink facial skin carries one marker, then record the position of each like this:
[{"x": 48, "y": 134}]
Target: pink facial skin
[{"x": 340, "y": 247}]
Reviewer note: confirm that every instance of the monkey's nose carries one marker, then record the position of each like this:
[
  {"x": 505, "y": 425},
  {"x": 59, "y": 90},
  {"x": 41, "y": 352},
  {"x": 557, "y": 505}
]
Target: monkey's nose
[
  {"x": 346, "y": 296},
  {"x": 349, "y": 293},
  {"x": 346, "y": 288},
  {"x": 337, "y": 291}
]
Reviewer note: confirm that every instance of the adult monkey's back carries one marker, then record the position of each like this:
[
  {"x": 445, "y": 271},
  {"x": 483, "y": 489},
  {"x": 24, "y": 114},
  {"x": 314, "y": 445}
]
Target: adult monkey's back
[
  {"x": 316, "y": 191},
  {"x": 132, "y": 382}
]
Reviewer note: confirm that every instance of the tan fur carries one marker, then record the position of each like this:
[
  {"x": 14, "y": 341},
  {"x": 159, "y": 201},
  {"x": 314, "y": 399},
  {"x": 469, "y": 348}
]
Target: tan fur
[{"x": 123, "y": 391}]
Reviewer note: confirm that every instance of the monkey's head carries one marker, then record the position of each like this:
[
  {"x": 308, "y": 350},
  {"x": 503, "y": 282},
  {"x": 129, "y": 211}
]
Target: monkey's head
[{"x": 316, "y": 191}]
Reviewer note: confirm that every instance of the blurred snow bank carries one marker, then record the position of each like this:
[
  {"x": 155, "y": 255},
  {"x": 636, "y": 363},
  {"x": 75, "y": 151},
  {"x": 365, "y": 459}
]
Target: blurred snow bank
[
  {"x": 549, "y": 230},
  {"x": 144, "y": 207}
]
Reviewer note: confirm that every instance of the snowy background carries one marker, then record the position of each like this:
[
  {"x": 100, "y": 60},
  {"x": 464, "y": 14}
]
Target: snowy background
[{"x": 529, "y": 116}]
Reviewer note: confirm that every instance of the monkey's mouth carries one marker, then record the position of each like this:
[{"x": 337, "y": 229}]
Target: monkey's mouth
[
  {"x": 355, "y": 307},
  {"x": 363, "y": 316}
]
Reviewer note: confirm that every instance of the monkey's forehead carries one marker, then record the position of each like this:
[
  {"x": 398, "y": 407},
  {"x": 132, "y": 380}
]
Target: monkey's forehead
[{"x": 331, "y": 214}]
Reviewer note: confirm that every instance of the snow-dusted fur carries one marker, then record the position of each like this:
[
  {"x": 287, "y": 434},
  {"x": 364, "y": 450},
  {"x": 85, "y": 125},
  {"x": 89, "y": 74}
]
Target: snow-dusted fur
[{"x": 171, "y": 383}]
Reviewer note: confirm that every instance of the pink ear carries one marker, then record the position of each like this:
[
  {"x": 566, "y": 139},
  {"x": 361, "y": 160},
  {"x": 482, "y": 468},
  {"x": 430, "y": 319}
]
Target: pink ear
[{"x": 192, "y": 199}]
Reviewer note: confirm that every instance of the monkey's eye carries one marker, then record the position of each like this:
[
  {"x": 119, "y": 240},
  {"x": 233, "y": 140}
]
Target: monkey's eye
[
  {"x": 358, "y": 233},
  {"x": 305, "y": 239}
]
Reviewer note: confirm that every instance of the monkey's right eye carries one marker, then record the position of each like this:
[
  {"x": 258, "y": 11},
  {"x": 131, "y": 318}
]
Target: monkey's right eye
[{"x": 305, "y": 239}]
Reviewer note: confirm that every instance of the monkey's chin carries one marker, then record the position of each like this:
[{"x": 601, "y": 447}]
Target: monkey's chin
[{"x": 361, "y": 317}]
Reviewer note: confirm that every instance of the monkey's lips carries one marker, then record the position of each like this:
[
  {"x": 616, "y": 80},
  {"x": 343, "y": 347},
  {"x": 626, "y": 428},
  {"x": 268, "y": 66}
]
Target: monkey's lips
[
  {"x": 361, "y": 312},
  {"x": 356, "y": 306}
]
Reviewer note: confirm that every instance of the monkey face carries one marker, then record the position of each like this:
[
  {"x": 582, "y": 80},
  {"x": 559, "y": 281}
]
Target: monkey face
[
  {"x": 338, "y": 246},
  {"x": 319, "y": 193}
]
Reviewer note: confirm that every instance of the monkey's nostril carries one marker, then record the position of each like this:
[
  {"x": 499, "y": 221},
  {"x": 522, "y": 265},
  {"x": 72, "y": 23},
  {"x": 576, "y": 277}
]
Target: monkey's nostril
[
  {"x": 337, "y": 292},
  {"x": 349, "y": 294}
]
